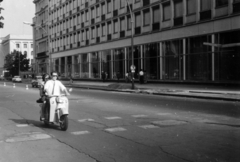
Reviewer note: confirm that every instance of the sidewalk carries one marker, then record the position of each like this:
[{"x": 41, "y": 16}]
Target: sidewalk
[{"x": 181, "y": 90}]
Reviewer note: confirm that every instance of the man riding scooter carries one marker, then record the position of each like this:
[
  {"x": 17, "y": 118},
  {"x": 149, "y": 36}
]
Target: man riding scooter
[{"x": 53, "y": 88}]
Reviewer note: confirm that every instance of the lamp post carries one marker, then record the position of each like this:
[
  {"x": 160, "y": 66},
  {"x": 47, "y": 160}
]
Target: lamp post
[
  {"x": 39, "y": 26},
  {"x": 132, "y": 66}
]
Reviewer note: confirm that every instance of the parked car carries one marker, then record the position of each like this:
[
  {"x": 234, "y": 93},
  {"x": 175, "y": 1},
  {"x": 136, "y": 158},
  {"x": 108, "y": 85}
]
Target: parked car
[
  {"x": 37, "y": 81},
  {"x": 17, "y": 79},
  {"x": 2, "y": 78}
]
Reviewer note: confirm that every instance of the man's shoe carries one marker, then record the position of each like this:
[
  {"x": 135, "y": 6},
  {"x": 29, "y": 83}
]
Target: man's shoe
[{"x": 39, "y": 100}]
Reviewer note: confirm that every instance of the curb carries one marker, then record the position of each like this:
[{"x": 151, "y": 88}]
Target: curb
[{"x": 160, "y": 94}]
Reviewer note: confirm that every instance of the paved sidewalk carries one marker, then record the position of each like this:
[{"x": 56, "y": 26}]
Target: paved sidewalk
[{"x": 181, "y": 90}]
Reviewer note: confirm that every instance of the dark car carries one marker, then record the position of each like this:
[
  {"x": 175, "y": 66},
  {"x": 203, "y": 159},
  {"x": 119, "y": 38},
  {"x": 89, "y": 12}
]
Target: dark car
[{"x": 37, "y": 81}]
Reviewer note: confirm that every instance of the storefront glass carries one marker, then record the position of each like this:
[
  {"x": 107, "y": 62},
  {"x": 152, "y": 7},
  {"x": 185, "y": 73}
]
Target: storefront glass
[
  {"x": 95, "y": 68},
  {"x": 62, "y": 67},
  {"x": 136, "y": 58},
  {"x": 84, "y": 65},
  {"x": 76, "y": 67},
  {"x": 106, "y": 62},
  {"x": 227, "y": 59},
  {"x": 151, "y": 60},
  {"x": 172, "y": 60},
  {"x": 118, "y": 62},
  {"x": 198, "y": 59}
]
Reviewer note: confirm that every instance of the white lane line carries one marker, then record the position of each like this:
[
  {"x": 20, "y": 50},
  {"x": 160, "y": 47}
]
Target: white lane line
[
  {"x": 84, "y": 120},
  {"x": 113, "y": 117},
  {"x": 22, "y": 125},
  {"x": 163, "y": 114},
  {"x": 148, "y": 126},
  {"x": 117, "y": 129},
  {"x": 21, "y": 137},
  {"x": 139, "y": 116},
  {"x": 121, "y": 92},
  {"x": 80, "y": 132}
]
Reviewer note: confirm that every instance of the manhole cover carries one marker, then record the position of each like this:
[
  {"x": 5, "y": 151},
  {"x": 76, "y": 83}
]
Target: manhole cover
[{"x": 169, "y": 122}]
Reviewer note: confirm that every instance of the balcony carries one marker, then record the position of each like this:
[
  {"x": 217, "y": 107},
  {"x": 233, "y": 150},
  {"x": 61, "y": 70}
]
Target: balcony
[
  {"x": 155, "y": 26},
  {"x": 109, "y": 37},
  {"x": 138, "y": 30},
  {"x": 178, "y": 21},
  {"x": 206, "y": 15},
  {"x": 122, "y": 34}
]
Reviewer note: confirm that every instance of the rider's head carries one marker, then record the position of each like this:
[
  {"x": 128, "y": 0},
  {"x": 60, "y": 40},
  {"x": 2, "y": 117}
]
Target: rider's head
[
  {"x": 45, "y": 77},
  {"x": 54, "y": 75}
]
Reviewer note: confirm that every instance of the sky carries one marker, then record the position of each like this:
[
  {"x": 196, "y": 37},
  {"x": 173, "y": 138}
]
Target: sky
[{"x": 15, "y": 13}]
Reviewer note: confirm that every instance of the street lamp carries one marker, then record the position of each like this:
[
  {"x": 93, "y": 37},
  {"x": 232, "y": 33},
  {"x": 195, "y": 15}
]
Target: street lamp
[
  {"x": 39, "y": 26},
  {"x": 132, "y": 66}
]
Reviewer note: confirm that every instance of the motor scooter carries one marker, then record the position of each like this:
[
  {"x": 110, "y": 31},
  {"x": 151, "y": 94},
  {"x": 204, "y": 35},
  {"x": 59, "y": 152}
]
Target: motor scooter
[{"x": 57, "y": 112}]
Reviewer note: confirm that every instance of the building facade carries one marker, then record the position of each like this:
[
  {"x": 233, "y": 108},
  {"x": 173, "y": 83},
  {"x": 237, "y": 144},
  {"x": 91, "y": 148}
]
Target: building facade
[
  {"x": 40, "y": 36},
  {"x": 22, "y": 43},
  {"x": 174, "y": 40}
]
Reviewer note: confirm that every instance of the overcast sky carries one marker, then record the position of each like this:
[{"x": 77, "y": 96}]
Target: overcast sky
[{"x": 14, "y": 13}]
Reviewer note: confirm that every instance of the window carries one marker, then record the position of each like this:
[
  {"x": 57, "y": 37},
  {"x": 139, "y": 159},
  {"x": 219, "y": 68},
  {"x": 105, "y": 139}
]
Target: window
[
  {"x": 115, "y": 23},
  {"x": 98, "y": 10},
  {"x": 17, "y": 45},
  {"x": 166, "y": 11},
  {"x": 31, "y": 45},
  {"x": 109, "y": 6},
  {"x": 122, "y": 3},
  {"x": 205, "y": 5},
  {"x": 156, "y": 15},
  {"x": 122, "y": 24},
  {"x": 178, "y": 8},
  {"x": 115, "y": 4},
  {"x": 137, "y": 19},
  {"x": 109, "y": 28},
  {"x": 191, "y": 7},
  {"x": 93, "y": 33},
  {"x": 25, "y": 53},
  {"x": 25, "y": 45},
  {"x": 87, "y": 15},
  {"x": 146, "y": 17},
  {"x": 129, "y": 23},
  {"x": 103, "y": 29},
  {"x": 221, "y": 3},
  {"x": 93, "y": 13},
  {"x": 103, "y": 8},
  {"x": 98, "y": 31},
  {"x": 136, "y": 1}
]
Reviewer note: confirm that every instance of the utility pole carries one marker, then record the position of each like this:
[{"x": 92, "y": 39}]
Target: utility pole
[{"x": 132, "y": 66}]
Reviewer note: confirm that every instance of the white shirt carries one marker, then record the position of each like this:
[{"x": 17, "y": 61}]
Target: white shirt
[{"x": 57, "y": 86}]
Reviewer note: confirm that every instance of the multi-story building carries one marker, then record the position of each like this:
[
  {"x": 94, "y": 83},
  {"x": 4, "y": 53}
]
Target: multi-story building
[
  {"x": 40, "y": 36},
  {"x": 22, "y": 43},
  {"x": 174, "y": 40}
]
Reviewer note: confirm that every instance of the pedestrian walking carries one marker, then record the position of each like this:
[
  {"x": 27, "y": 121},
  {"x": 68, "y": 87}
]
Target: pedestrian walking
[{"x": 127, "y": 77}]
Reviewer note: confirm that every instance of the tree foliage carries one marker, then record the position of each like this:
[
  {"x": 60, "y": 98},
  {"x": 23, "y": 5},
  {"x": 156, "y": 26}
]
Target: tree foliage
[
  {"x": 12, "y": 62},
  {"x": 1, "y": 18}
]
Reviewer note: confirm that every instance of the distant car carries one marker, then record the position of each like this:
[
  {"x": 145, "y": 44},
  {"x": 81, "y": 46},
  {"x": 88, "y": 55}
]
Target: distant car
[
  {"x": 37, "y": 81},
  {"x": 2, "y": 78},
  {"x": 17, "y": 79}
]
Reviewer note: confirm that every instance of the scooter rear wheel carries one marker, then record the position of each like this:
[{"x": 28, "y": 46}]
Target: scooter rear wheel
[{"x": 64, "y": 122}]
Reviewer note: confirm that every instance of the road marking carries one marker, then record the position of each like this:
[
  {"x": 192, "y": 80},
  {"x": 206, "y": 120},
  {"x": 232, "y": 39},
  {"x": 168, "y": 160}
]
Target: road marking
[
  {"x": 22, "y": 125},
  {"x": 163, "y": 114},
  {"x": 117, "y": 129},
  {"x": 139, "y": 116},
  {"x": 148, "y": 126},
  {"x": 84, "y": 120},
  {"x": 113, "y": 117},
  {"x": 80, "y": 133},
  {"x": 169, "y": 122},
  {"x": 121, "y": 92},
  {"x": 27, "y": 137}
]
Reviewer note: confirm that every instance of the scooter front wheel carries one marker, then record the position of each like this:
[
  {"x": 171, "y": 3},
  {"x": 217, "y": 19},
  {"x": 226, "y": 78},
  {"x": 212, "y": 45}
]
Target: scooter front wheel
[{"x": 64, "y": 122}]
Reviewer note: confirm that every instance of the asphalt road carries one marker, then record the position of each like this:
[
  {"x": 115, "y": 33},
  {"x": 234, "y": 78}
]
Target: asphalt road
[{"x": 128, "y": 127}]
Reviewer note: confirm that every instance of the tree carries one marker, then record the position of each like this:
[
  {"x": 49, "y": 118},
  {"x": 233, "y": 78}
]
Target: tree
[
  {"x": 12, "y": 62},
  {"x": 1, "y": 18}
]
